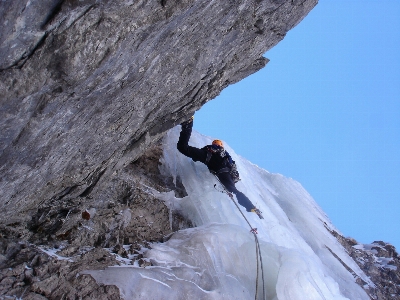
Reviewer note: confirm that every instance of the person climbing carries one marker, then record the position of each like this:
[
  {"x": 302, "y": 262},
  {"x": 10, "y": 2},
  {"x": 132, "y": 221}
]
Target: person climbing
[{"x": 218, "y": 161}]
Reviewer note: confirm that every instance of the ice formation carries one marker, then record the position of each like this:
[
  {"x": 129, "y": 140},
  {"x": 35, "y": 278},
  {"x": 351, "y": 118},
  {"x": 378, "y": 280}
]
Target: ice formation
[{"x": 217, "y": 258}]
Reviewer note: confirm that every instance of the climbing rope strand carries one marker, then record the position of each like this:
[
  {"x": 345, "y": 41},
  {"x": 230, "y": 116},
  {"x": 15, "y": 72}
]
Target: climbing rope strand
[
  {"x": 255, "y": 297},
  {"x": 261, "y": 264},
  {"x": 258, "y": 249}
]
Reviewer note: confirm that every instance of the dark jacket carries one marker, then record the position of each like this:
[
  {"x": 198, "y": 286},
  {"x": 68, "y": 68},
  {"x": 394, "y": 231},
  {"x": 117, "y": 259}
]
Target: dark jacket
[
  {"x": 217, "y": 160},
  {"x": 215, "y": 157}
]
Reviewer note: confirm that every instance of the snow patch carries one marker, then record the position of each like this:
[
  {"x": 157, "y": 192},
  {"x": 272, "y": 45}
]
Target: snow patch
[{"x": 52, "y": 252}]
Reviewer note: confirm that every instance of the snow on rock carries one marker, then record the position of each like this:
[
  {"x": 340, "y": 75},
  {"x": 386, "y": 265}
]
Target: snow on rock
[
  {"x": 377, "y": 252},
  {"x": 217, "y": 259}
]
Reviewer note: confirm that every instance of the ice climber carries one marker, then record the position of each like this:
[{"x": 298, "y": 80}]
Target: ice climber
[{"x": 218, "y": 161}]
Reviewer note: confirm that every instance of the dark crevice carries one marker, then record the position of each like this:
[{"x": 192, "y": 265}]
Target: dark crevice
[
  {"x": 220, "y": 73},
  {"x": 298, "y": 2},
  {"x": 91, "y": 186},
  {"x": 65, "y": 192},
  {"x": 55, "y": 9},
  {"x": 82, "y": 14},
  {"x": 20, "y": 62},
  {"x": 199, "y": 90},
  {"x": 32, "y": 51},
  {"x": 133, "y": 143},
  {"x": 259, "y": 25}
]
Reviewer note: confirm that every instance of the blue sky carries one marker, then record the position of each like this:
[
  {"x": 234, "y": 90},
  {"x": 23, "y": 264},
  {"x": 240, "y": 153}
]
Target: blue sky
[{"x": 326, "y": 112}]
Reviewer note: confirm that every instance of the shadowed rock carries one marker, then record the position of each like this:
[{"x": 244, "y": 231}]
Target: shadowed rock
[{"x": 86, "y": 86}]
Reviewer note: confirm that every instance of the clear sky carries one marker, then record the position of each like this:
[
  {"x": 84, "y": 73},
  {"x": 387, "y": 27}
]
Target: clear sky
[{"x": 325, "y": 111}]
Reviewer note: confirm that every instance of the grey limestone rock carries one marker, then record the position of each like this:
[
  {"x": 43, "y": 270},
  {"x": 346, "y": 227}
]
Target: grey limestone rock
[
  {"x": 380, "y": 262},
  {"x": 46, "y": 258},
  {"x": 87, "y": 90},
  {"x": 86, "y": 86}
]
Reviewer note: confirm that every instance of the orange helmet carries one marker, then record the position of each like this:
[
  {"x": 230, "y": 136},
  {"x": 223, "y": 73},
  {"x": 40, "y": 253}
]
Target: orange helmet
[{"x": 218, "y": 143}]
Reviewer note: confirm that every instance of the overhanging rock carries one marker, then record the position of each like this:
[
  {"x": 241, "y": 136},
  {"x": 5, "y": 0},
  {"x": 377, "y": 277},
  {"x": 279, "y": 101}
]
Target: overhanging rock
[{"x": 86, "y": 86}]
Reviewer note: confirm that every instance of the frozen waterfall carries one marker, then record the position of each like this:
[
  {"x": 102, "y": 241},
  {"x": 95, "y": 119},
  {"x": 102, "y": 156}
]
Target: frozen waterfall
[{"x": 217, "y": 258}]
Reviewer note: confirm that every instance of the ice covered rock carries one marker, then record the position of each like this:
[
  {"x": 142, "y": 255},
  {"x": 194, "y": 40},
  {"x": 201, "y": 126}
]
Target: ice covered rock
[{"x": 217, "y": 259}]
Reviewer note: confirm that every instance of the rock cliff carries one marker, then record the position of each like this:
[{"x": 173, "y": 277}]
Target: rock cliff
[
  {"x": 43, "y": 258},
  {"x": 46, "y": 258},
  {"x": 380, "y": 261},
  {"x": 87, "y": 85},
  {"x": 85, "y": 88}
]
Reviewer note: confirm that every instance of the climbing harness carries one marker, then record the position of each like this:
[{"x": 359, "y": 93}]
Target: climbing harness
[
  {"x": 230, "y": 166},
  {"x": 254, "y": 232}
]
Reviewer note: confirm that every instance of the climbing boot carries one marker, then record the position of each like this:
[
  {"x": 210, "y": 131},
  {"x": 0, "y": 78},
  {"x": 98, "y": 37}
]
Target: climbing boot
[{"x": 258, "y": 212}]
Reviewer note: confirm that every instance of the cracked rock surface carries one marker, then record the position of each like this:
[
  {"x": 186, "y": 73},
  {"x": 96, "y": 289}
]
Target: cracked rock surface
[
  {"x": 380, "y": 262},
  {"x": 87, "y": 89},
  {"x": 45, "y": 258},
  {"x": 86, "y": 86}
]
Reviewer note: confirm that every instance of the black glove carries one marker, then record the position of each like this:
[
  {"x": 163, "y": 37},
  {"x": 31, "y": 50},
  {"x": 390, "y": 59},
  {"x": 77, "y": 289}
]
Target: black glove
[{"x": 188, "y": 123}]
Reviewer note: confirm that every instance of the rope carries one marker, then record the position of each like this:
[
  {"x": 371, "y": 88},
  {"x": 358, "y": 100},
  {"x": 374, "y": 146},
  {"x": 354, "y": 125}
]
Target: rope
[
  {"x": 254, "y": 232},
  {"x": 257, "y": 250}
]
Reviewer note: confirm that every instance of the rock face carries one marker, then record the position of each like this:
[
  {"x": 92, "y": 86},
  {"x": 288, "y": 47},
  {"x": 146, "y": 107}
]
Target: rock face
[
  {"x": 32, "y": 274},
  {"x": 86, "y": 86},
  {"x": 381, "y": 262},
  {"x": 43, "y": 259}
]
